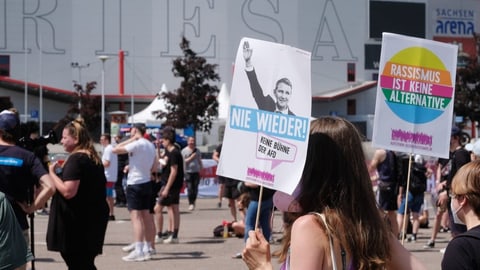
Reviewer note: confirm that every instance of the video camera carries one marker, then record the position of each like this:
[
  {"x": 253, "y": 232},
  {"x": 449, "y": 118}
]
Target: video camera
[{"x": 32, "y": 144}]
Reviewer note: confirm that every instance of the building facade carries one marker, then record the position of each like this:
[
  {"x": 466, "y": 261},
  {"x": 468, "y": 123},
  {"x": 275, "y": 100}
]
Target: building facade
[{"x": 54, "y": 43}]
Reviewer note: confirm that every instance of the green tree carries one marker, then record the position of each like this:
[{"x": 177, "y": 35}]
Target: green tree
[
  {"x": 467, "y": 88},
  {"x": 194, "y": 103},
  {"x": 86, "y": 106}
]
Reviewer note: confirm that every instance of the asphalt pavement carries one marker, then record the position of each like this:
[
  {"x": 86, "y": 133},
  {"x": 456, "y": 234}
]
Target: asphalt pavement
[{"x": 197, "y": 249}]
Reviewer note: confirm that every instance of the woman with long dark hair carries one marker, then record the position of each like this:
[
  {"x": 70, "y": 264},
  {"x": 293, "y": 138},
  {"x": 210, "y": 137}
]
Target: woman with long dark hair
[{"x": 339, "y": 225}]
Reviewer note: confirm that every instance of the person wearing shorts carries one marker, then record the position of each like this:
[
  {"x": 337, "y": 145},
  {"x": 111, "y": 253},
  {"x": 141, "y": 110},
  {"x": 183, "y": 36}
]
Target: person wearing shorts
[
  {"x": 383, "y": 167},
  {"x": 142, "y": 163},
  {"x": 415, "y": 203},
  {"x": 231, "y": 192},
  {"x": 415, "y": 196},
  {"x": 110, "y": 163},
  {"x": 172, "y": 179}
]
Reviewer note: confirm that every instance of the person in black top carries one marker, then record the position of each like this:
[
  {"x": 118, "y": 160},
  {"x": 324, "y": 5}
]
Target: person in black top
[
  {"x": 20, "y": 173},
  {"x": 227, "y": 187},
  {"x": 384, "y": 163},
  {"x": 463, "y": 251},
  {"x": 459, "y": 157},
  {"x": 120, "y": 198},
  {"x": 79, "y": 211},
  {"x": 172, "y": 181}
]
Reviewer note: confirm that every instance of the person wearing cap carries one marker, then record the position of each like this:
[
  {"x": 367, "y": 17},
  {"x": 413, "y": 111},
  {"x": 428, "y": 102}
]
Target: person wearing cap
[
  {"x": 339, "y": 225},
  {"x": 459, "y": 156},
  {"x": 21, "y": 172},
  {"x": 142, "y": 163}
]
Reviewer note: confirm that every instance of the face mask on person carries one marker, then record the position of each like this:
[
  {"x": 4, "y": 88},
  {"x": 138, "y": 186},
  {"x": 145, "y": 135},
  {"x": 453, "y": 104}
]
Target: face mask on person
[{"x": 456, "y": 219}]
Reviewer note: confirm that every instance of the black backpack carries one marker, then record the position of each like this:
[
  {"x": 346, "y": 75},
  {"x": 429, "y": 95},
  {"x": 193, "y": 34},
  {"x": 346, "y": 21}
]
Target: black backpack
[{"x": 418, "y": 179}]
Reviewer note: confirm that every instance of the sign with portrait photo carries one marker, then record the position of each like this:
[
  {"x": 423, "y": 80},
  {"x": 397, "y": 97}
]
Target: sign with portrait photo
[{"x": 266, "y": 135}]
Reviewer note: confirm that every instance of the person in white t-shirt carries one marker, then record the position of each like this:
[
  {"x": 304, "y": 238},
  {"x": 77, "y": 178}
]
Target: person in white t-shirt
[
  {"x": 110, "y": 163},
  {"x": 142, "y": 163}
]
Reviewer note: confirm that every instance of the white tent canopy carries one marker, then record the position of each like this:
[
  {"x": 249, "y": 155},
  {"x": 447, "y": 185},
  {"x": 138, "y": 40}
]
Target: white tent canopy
[
  {"x": 146, "y": 115},
  {"x": 223, "y": 102}
]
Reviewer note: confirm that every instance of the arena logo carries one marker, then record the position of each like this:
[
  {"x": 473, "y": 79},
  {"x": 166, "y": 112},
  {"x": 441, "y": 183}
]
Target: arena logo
[{"x": 455, "y": 22}]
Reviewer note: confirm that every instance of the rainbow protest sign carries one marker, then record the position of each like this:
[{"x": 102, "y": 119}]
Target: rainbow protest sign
[{"x": 415, "y": 92}]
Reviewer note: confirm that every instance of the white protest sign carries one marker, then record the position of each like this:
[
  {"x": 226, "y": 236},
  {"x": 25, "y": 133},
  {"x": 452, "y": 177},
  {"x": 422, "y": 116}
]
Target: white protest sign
[
  {"x": 266, "y": 136},
  {"x": 415, "y": 92}
]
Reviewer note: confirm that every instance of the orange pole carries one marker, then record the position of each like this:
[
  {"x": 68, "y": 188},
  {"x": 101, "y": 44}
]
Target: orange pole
[{"x": 121, "y": 79}]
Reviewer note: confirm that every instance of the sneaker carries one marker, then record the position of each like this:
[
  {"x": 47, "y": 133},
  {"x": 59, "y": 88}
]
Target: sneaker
[
  {"x": 191, "y": 207},
  {"x": 129, "y": 248},
  {"x": 430, "y": 244},
  {"x": 444, "y": 229},
  {"x": 412, "y": 239},
  {"x": 442, "y": 250},
  {"x": 271, "y": 240},
  {"x": 135, "y": 256},
  {"x": 165, "y": 234},
  {"x": 42, "y": 212},
  {"x": 237, "y": 256},
  {"x": 148, "y": 254},
  {"x": 111, "y": 218},
  {"x": 170, "y": 240},
  {"x": 158, "y": 239}
]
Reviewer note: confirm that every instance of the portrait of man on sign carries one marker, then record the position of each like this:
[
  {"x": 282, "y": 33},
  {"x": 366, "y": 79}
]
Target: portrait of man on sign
[{"x": 282, "y": 90}]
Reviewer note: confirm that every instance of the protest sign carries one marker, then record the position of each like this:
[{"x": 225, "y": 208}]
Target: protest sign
[
  {"x": 415, "y": 92},
  {"x": 266, "y": 135}
]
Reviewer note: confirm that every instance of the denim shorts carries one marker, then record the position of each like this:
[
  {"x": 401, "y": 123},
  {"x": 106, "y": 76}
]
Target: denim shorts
[{"x": 415, "y": 203}]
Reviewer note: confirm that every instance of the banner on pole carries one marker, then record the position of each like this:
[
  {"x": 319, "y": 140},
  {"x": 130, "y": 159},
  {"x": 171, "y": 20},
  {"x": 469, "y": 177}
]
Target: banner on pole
[
  {"x": 415, "y": 93},
  {"x": 266, "y": 136}
]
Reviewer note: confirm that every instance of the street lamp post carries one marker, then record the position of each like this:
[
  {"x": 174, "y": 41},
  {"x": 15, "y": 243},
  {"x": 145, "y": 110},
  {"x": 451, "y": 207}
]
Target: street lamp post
[
  {"x": 103, "y": 58},
  {"x": 79, "y": 66}
]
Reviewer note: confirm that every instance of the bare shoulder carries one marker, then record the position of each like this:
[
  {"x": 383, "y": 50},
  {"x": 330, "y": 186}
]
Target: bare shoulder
[
  {"x": 309, "y": 244},
  {"x": 309, "y": 224},
  {"x": 305, "y": 220},
  {"x": 380, "y": 155}
]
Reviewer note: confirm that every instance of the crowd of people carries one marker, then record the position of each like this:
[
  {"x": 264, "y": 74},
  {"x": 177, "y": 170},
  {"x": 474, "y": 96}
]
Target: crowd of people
[
  {"x": 345, "y": 212},
  {"x": 436, "y": 175}
]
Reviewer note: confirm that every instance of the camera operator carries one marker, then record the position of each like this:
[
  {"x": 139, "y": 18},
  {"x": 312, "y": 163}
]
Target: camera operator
[
  {"x": 20, "y": 172},
  {"x": 33, "y": 142}
]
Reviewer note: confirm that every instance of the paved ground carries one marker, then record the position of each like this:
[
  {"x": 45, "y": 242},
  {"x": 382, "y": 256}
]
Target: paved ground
[{"x": 198, "y": 249}]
